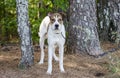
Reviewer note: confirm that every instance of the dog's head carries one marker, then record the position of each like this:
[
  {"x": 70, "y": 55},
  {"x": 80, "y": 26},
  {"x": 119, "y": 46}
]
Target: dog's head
[{"x": 56, "y": 21}]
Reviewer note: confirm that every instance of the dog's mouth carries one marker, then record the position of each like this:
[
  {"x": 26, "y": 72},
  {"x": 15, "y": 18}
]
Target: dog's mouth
[{"x": 57, "y": 31}]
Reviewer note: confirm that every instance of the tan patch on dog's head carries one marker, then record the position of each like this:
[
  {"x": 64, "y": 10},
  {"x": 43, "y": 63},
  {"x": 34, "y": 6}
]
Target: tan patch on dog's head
[
  {"x": 56, "y": 17},
  {"x": 56, "y": 22}
]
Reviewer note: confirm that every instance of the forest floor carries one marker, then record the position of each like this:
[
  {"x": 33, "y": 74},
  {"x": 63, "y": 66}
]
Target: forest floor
[{"x": 76, "y": 65}]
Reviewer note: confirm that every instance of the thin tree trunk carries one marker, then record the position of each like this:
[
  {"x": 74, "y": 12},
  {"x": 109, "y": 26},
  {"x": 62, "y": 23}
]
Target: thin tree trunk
[
  {"x": 82, "y": 32},
  {"x": 25, "y": 34}
]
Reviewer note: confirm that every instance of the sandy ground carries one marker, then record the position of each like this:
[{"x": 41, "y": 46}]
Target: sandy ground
[{"x": 76, "y": 65}]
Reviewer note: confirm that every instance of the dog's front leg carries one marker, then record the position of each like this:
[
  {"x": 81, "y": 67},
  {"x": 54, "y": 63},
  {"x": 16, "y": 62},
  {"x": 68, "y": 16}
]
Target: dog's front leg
[
  {"x": 61, "y": 54},
  {"x": 50, "y": 53}
]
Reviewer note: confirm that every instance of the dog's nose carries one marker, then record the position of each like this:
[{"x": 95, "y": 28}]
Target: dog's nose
[{"x": 56, "y": 26}]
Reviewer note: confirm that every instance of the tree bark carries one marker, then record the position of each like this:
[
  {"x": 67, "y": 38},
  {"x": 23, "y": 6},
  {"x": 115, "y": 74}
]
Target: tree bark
[
  {"x": 108, "y": 12},
  {"x": 82, "y": 32},
  {"x": 114, "y": 6},
  {"x": 103, "y": 16},
  {"x": 24, "y": 34}
]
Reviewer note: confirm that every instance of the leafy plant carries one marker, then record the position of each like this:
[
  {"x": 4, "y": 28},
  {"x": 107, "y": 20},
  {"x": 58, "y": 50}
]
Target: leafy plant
[
  {"x": 38, "y": 9},
  {"x": 114, "y": 65}
]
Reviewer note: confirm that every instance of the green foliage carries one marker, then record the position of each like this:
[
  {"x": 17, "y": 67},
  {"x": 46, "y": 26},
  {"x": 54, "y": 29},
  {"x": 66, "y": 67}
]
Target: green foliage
[
  {"x": 114, "y": 65},
  {"x": 38, "y": 9},
  {"x": 8, "y": 20},
  {"x": 60, "y": 4}
]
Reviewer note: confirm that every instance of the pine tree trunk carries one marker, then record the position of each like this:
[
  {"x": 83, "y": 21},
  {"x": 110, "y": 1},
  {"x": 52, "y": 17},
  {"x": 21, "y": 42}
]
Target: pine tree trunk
[
  {"x": 108, "y": 12},
  {"x": 103, "y": 16},
  {"x": 114, "y": 6},
  {"x": 82, "y": 32},
  {"x": 25, "y": 34}
]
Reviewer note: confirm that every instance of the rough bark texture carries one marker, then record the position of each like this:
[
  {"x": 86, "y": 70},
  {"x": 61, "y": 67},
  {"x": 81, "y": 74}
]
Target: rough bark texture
[
  {"x": 103, "y": 16},
  {"x": 82, "y": 32},
  {"x": 108, "y": 12},
  {"x": 114, "y": 6},
  {"x": 25, "y": 34}
]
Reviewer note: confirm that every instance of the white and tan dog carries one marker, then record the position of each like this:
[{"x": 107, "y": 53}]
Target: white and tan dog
[{"x": 52, "y": 28}]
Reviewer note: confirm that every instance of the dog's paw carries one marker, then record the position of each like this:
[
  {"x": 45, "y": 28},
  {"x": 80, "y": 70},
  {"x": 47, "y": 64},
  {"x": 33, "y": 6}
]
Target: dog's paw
[
  {"x": 49, "y": 73},
  {"x": 40, "y": 62},
  {"x": 56, "y": 59},
  {"x": 62, "y": 71}
]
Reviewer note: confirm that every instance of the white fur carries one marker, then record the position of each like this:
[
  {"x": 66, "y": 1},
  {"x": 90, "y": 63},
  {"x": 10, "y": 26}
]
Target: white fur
[{"x": 55, "y": 38}]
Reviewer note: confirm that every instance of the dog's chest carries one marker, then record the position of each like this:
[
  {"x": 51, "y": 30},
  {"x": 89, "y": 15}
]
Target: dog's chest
[{"x": 56, "y": 39}]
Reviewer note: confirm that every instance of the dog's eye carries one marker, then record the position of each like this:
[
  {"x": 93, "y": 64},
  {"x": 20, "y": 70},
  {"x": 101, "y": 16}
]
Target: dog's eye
[
  {"x": 53, "y": 20},
  {"x": 60, "y": 20}
]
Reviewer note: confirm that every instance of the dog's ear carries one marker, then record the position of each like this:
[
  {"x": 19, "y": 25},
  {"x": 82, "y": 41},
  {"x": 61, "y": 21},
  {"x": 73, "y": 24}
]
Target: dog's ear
[
  {"x": 63, "y": 14},
  {"x": 50, "y": 14}
]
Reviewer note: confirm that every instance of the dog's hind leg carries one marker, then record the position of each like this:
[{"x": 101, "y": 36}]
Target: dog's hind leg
[{"x": 41, "y": 41}]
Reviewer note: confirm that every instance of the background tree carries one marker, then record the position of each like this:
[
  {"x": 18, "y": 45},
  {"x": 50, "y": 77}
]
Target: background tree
[
  {"x": 108, "y": 20},
  {"x": 25, "y": 34},
  {"x": 83, "y": 36},
  {"x": 103, "y": 16},
  {"x": 114, "y": 6}
]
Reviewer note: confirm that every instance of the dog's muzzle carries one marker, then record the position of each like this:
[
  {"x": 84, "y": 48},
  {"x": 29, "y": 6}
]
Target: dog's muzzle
[{"x": 56, "y": 26}]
